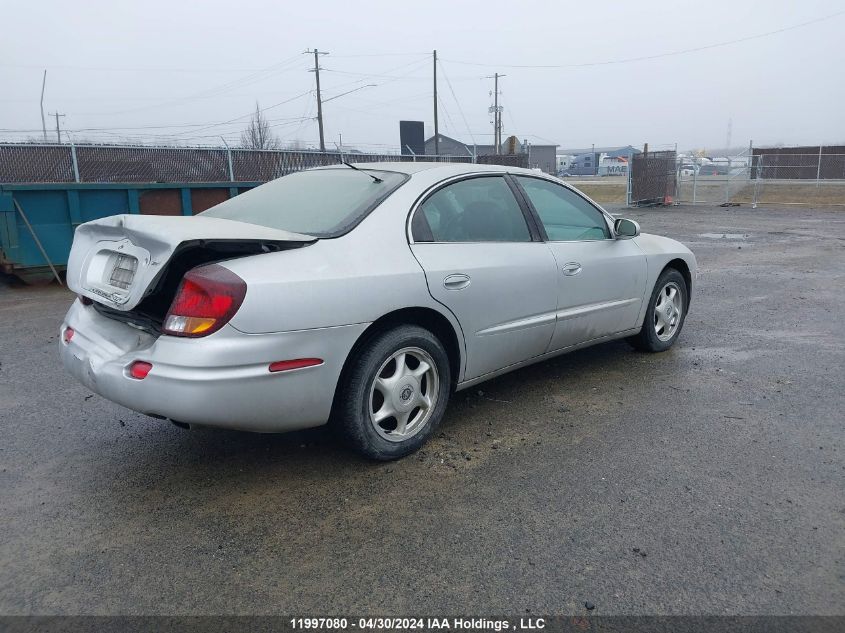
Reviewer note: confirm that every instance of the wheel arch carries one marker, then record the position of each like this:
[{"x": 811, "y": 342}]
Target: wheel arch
[
  {"x": 682, "y": 267},
  {"x": 427, "y": 318}
]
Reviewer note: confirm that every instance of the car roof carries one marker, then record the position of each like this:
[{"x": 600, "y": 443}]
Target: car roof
[{"x": 444, "y": 168}]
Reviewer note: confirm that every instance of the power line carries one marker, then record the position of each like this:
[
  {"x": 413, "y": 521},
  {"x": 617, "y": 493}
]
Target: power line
[
  {"x": 143, "y": 127},
  {"x": 450, "y": 128},
  {"x": 659, "y": 55},
  {"x": 371, "y": 75},
  {"x": 414, "y": 97},
  {"x": 119, "y": 69},
  {"x": 458, "y": 103},
  {"x": 364, "y": 76},
  {"x": 402, "y": 54},
  {"x": 244, "y": 116},
  {"x": 266, "y": 73}
]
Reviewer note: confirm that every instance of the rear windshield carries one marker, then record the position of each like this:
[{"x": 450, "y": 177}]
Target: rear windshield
[{"x": 319, "y": 202}]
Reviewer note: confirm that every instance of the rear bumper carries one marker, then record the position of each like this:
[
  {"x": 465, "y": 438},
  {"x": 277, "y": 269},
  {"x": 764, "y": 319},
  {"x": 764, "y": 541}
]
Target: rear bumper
[{"x": 222, "y": 380}]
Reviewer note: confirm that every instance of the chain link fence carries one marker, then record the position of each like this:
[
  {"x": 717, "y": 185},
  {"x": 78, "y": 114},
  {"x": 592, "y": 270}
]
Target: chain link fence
[
  {"x": 798, "y": 179},
  {"x": 722, "y": 181},
  {"x": 37, "y": 163},
  {"x": 765, "y": 177}
]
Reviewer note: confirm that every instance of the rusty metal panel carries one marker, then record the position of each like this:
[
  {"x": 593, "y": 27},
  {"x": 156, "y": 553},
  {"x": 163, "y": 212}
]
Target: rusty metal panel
[
  {"x": 161, "y": 202},
  {"x": 202, "y": 199}
]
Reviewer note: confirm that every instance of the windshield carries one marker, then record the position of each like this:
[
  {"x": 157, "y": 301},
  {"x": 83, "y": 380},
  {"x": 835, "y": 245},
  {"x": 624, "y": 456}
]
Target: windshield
[{"x": 319, "y": 202}]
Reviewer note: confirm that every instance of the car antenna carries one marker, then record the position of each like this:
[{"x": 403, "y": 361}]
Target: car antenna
[{"x": 374, "y": 177}]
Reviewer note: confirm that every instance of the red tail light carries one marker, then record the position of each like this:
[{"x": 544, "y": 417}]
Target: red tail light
[{"x": 208, "y": 297}]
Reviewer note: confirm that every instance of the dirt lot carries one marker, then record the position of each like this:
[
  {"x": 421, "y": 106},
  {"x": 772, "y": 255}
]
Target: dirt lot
[{"x": 709, "y": 479}]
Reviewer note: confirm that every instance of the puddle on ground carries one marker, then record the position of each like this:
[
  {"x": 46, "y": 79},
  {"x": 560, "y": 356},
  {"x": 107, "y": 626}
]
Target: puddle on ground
[{"x": 724, "y": 236}]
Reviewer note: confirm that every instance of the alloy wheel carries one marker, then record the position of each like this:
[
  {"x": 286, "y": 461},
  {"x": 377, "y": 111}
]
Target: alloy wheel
[
  {"x": 403, "y": 394},
  {"x": 668, "y": 309}
]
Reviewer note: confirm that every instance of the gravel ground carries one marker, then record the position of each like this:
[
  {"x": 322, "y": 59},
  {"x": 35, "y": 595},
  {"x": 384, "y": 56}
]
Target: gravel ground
[{"x": 706, "y": 480}]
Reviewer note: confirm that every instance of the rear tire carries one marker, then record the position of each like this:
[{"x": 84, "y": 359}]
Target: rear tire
[
  {"x": 667, "y": 309},
  {"x": 394, "y": 394}
]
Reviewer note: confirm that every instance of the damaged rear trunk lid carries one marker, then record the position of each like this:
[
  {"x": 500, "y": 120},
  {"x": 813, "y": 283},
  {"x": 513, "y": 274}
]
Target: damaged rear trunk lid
[{"x": 133, "y": 263}]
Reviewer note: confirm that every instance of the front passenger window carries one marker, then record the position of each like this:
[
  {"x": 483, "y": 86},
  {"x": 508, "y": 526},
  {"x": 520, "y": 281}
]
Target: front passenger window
[
  {"x": 474, "y": 210},
  {"x": 565, "y": 215}
]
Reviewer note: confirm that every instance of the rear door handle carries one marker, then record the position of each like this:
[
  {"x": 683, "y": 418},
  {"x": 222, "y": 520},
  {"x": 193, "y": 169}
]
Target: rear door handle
[
  {"x": 572, "y": 268},
  {"x": 457, "y": 281}
]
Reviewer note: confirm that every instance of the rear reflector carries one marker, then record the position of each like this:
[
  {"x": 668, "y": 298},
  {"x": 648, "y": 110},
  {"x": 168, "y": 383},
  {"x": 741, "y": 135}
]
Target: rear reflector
[
  {"x": 297, "y": 363},
  {"x": 139, "y": 369},
  {"x": 68, "y": 334},
  {"x": 207, "y": 298}
]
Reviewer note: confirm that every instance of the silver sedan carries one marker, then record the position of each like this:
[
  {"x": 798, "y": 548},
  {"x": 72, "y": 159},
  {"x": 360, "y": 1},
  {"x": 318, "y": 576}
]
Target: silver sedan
[{"x": 361, "y": 294}]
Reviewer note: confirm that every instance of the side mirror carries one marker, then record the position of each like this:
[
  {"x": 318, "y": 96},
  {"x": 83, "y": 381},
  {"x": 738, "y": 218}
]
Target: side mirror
[{"x": 626, "y": 229}]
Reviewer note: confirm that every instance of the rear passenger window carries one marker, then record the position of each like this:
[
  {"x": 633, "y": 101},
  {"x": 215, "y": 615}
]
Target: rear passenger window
[{"x": 473, "y": 210}]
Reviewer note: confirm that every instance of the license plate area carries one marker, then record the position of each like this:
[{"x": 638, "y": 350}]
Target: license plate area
[
  {"x": 113, "y": 273},
  {"x": 123, "y": 271}
]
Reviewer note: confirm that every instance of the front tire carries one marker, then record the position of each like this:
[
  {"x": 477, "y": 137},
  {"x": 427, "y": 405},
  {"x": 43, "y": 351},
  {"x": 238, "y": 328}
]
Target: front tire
[
  {"x": 395, "y": 393},
  {"x": 666, "y": 312}
]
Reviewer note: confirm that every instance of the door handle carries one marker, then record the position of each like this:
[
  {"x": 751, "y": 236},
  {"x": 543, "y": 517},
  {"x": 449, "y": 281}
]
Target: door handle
[
  {"x": 457, "y": 281},
  {"x": 571, "y": 269}
]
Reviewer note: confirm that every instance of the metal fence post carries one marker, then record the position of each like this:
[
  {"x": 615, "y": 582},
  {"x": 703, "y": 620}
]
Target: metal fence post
[
  {"x": 728, "y": 183},
  {"x": 694, "y": 181},
  {"x": 75, "y": 162},
  {"x": 630, "y": 175},
  {"x": 229, "y": 159},
  {"x": 759, "y": 172},
  {"x": 819, "y": 168}
]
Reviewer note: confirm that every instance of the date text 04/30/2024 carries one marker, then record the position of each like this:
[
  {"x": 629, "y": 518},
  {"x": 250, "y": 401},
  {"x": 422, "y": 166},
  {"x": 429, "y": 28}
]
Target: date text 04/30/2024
[{"x": 422, "y": 624}]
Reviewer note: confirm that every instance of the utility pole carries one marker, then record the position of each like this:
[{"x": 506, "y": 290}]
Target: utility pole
[
  {"x": 436, "y": 130},
  {"x": 316, "y": 71},
  {"x": 497, "y": 114},
  {"x": 497, "y": 132},
  {"x": 43, "y": 121},
  {"x": 58, "y": 130}
]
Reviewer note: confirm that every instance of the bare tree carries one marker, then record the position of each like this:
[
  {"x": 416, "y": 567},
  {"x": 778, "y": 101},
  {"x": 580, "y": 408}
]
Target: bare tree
[{"x": 257, "y": 134}]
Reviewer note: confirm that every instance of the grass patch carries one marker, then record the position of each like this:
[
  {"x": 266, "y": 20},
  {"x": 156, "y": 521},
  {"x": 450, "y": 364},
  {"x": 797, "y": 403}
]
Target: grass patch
[{"x": 605, "y": 193}]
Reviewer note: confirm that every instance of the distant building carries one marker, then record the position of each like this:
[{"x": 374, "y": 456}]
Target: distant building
[
  {"x": 448, "y": 146},
  {"x": 584, "y": 164},
  {"x": 539, "y": 156},
  {"x": 564, "y": 162},
  {"x": 589, "y": 161},
  {"x": 543, "y": 157},
  {"x": 613, "y": 151}
]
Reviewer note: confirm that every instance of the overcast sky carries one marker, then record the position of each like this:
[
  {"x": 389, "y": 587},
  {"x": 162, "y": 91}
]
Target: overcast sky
[{"x": 199, "y": 67}]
